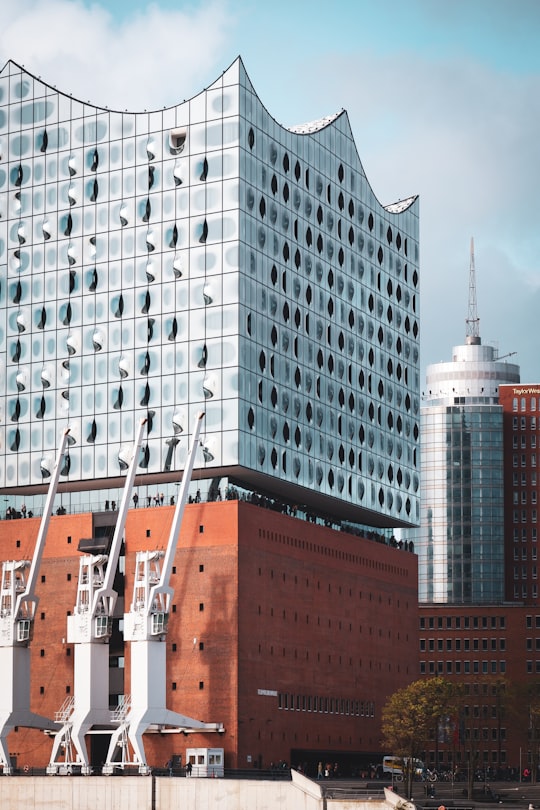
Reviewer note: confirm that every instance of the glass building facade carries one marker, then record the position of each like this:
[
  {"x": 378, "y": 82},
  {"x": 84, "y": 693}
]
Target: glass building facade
[
  {"x": 203, "y": 257},
  {"x": 460, "y": 543}
]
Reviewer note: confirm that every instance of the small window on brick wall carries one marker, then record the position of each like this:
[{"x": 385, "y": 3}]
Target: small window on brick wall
[
  {"x": 174, "y": 686},
  {"x": 201, "y": 684}
]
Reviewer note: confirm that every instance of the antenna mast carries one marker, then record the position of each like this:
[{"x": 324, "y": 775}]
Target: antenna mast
[{"x": 473, "y": 321}]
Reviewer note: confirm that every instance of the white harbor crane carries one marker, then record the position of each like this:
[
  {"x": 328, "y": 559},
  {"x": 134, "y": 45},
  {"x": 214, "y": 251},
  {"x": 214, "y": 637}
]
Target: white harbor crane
[
  {"x": 89, "y": 629},
  {"x": 18, "y": 603},
  {"x": 145, "y": 627}
]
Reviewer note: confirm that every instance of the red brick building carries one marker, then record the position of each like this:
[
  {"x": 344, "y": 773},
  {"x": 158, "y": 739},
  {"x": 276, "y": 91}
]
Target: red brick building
[
  {"x": 290, "y": 633},
  {"x": 482, "y": 645},
  {"x": 521, "y": 424}
]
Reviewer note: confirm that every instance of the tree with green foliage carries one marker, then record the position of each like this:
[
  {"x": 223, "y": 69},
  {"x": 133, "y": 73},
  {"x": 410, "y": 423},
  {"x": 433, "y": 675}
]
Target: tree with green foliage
[{"x": 409, "y": 717}]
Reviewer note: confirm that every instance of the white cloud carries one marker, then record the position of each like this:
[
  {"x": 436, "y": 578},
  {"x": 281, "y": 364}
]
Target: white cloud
[{"x": 144, "y": 61}]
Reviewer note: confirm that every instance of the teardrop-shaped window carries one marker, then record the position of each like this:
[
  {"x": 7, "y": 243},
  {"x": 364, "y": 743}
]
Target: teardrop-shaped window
[
  {"x": 147, "y": 211},
  {"x": 145, "y": 457},
  {"x": 146, "y": 366},
  {"x": 66, "y": 465},
  {"x": 204, "y": 357},
  {"x": 15, "y": 444},
  {"x": 45, "y": 378},
  {"x": 41, "y": 410},
  {"x": 119, "y": 311},
  {"x": 174, "y": 329},
  {"x": 67, "y": 317},
  {"x": 204, "y": 233},
  {"x": 93, "y": 432},
  {"x": 119, "y": 400},
  {"x": 146, "y": 395},
  {"x": 97, "y": 341},
  {"x": 177, "y": 267}
]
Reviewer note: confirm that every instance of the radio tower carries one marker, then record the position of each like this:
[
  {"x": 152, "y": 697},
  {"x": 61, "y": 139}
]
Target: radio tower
[{"x": 473, "y": 321}]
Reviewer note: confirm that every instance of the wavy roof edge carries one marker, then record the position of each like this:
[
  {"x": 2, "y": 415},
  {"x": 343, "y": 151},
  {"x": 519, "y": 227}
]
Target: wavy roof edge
[{"x": 237, "y": 67}]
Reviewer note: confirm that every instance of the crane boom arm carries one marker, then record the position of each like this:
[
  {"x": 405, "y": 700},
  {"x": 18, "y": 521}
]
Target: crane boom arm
[
  {"x": 28, "y": 595},
  {"x": 105, "y": 593},
  {"x": 162, "y": 586}
]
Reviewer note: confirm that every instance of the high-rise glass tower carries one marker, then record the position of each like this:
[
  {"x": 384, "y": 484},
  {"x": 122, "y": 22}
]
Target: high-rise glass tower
[
  {"x": 204, "y": 257},
  {"x": 460, "y": 542}
]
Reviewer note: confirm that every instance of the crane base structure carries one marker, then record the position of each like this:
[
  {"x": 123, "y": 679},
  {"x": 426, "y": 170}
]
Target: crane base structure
[
  {"x": 145, "y": 628},
  {"x": 18, "y": 603},
  {"x": 89, "y": 628},
  {"x": 15, "y": 700},
  {"x": 145, "y": 711}
]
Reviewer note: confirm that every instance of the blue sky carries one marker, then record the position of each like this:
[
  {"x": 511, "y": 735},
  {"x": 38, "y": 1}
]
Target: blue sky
[{"x": 443, "y": 98}]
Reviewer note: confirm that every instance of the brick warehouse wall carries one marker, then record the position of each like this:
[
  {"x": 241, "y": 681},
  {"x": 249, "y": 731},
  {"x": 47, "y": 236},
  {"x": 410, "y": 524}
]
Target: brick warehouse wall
[
  {"x": 268, "y": 612},
  {"x": 329, "y": 617}
]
